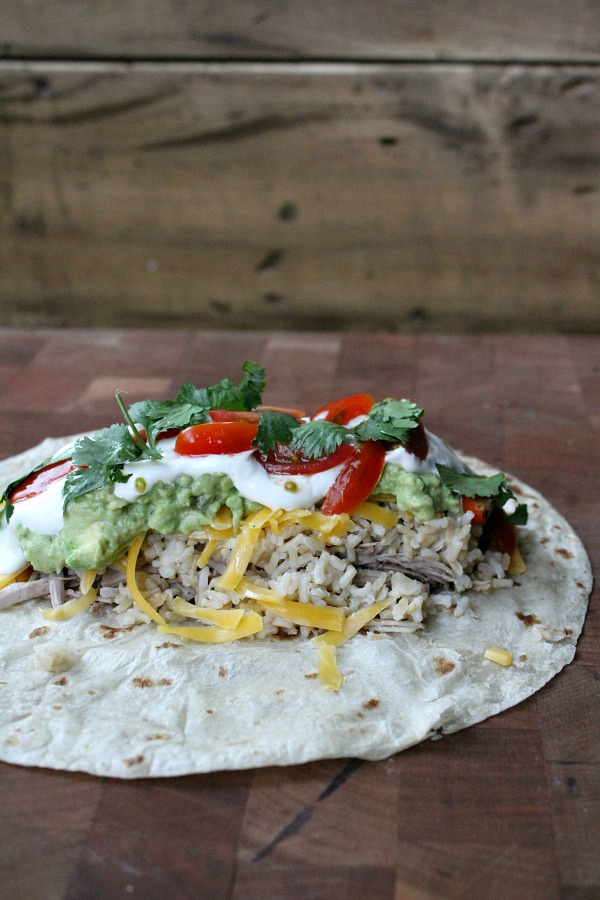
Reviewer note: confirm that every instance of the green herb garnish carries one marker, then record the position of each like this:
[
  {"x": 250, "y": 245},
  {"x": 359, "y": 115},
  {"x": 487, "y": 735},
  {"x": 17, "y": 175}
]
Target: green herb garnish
[{"x": 493, "y": 486}]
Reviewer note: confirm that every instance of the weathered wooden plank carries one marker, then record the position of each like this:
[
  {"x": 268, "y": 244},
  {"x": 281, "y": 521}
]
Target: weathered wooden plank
[
  {"x": 340, "y": 29},
  {"x": 397, "y": 198}
]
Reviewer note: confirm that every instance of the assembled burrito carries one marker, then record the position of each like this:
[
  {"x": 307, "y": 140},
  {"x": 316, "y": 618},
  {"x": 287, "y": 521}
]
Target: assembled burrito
[{"x": 217, "y": 584}]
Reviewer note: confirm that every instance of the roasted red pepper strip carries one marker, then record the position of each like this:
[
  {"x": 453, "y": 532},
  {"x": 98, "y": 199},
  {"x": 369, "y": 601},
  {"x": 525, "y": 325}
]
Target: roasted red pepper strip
[
  {"x": 417, "y": 442},
  {"x": 500, "y": 532},
  {"x": 479, "y": 506},
  {"x": 356, "y": 480}
]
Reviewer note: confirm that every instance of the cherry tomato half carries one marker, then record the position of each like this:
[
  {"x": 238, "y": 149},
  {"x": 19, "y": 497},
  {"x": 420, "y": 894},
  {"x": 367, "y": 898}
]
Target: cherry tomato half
[
  {"x": 284, "y": 461},
  {"x": 345, "y": 409},
  {"x": 356, "y": 480},
  {"x": 216, "y": 437},
  {"x": 479, "y": 506},
  {"x": 38, "y": 482}
]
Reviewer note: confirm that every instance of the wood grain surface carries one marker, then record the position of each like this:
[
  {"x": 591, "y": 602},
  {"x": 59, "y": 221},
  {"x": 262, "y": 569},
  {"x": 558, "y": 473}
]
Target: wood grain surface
[
  {"x": 398, "y": 198},
  {"x": 330, "y": 29},
  {"x": 507, "y": 809}
]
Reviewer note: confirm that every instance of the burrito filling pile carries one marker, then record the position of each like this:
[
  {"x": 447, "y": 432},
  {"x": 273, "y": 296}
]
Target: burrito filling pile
[{"x": 219, "y": 520}]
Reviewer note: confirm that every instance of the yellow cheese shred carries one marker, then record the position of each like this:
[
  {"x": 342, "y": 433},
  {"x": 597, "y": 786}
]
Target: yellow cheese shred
[
  {"x": 70, "y": 608},
  {"x": 329, "y": 674},
  {"x": 517, "y": 564},
  {"x": 225, "y": 618},
  {"x": 5, "y": 580},
  {"x": 132, "y": 586},
  {"x": 87, "y": 580},
  {"x": 375, "y": 513},
  {"x": 209, "y": 549},
  {"x": 353, "y": 624},
  {"x": 251, "y": 623},
  {"x": 244, "y": 548},
  {"x": 328, "y": 617}
]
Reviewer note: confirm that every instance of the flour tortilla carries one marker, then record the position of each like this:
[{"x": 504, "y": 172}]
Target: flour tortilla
[{"x": 138, "y": 704}]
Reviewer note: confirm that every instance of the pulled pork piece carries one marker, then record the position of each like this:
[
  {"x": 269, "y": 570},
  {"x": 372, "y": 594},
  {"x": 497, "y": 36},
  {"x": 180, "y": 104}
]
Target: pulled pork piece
[
  {"x": 19, "y": 591},
  {"x": 422, "y": 568}
]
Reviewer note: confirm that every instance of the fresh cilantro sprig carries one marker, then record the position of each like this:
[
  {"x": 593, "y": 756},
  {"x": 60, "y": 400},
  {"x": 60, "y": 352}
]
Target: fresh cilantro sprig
[
  {"x": 101, "y": 459},
  {"x": 493, "y": 486},
  {"x": 191, "y": 405},
  {"x": 389, "y": 420},
  {"x": 274, "y": 428}
]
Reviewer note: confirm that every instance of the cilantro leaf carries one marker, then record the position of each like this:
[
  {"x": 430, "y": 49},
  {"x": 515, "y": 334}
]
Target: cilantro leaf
[
  {"x": 472, "y": 485},
  {"x": 102, "y": 458},
  {"x": 160, "y": 415},
  {"x": 494, "y": 486},
  {"x": 320, "y": 438},
  {"x": 225, "y": 394},
  {"x": 520, "y": 515},
  {"x": 389, "y": 420},
  {"x": 274, "y": 428}
]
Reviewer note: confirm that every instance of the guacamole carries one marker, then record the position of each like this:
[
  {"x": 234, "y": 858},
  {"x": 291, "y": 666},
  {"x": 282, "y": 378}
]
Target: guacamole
[
  {"x": 422, "y": 495},
  {"x": 99, "y": 527}
]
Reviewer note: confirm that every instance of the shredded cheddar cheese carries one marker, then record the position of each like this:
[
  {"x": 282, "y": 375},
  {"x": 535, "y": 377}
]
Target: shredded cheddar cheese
[
  {"x": 329, "y": 674},
  {"x": 225, "y": 618},
  {"x": 70, "y": 608},
  {"x": 132, "y": 586},
  {"x": 251, "y": 623}
]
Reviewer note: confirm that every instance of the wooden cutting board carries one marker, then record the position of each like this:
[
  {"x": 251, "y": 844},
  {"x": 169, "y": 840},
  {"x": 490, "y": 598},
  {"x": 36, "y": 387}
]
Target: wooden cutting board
[{"x": 508, "y": 808}]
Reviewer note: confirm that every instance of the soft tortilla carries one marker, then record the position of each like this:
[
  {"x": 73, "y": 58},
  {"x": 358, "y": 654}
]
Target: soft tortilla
[{"x": 136, "y": 704}]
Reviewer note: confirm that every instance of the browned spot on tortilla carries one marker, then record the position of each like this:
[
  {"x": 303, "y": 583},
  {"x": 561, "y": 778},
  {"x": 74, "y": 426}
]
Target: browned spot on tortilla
[
  {"x": 57, "y": 707},
  {"x": 568, "y": 631},
  {"x": 91, "y": 693},
  {"x": 523, "y": 657},
  {"x": 442, "y": 665},
  {"x": 517, "y": 583},
  {"x": 371, "y": 704},
  {"x": 535, "y": 505},
  {"x": 360, "y": 715},
  {"x": 312, "y": 675},
  {"x": 134, "y": 760},
  {"x": 11, "y": 741},
  {"x": 566, "y": 554},
  {"x": 280, "y": 691},
  {"x": 144, "y": 682},
  {"x": 159, "y": 737},
  {"x": 61, "y": 681},
  {"x": 556, "y": 527},
  {"x": 210, "y": 712},
  {"x": 109, "y": 632},
  {"x": 168, "y": 644},
  {"x": 528, "y": 619},
  {"x": 222, "y": 671},
  {"x": 578, "y": 584},
  {"x": 38, "y": 632},
  {"x": 544, "y": 540}
]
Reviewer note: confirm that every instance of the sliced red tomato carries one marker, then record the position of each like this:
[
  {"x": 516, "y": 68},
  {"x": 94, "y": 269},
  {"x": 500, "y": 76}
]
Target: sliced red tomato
[
  {"x": 38, "y": 482},
  {"x": 356, "y": 480},
  {"x": 417, "y": 442},
  {"x": 216, "y": 437},
  {"x": 284, "y": 461},
  {"x": 500, "y": 532},
  {"x": 479, "y": 506},
  {"x": 345, "y": 409},
  {"x": 230, "y": 415}
]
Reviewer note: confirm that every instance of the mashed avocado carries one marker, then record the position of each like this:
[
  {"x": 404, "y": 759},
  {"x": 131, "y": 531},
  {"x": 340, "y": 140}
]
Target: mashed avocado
[
  {"x": 422, "y": 495},
  {"x": 99, "y": 527}
]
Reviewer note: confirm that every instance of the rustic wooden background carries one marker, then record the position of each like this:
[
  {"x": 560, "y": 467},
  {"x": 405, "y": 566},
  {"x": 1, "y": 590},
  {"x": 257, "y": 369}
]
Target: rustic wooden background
[{"x": 354, "y": 164}]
